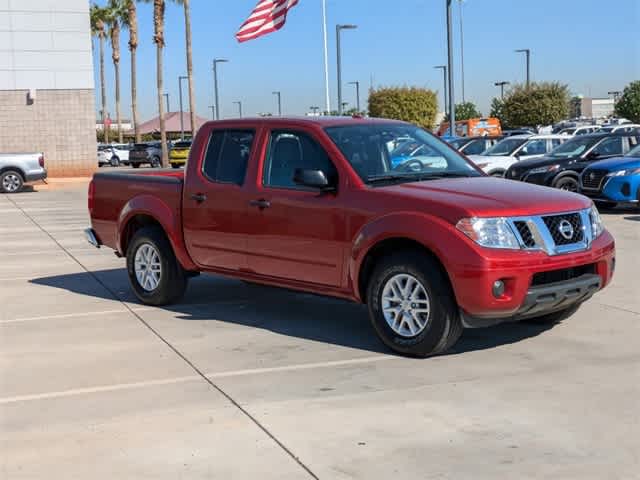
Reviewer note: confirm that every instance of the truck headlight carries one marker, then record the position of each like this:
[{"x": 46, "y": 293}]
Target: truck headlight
[
  {"x": 597, "y": 227},
  {"x": 489, "y": 232},
  {"x": 548, "y": 168}
]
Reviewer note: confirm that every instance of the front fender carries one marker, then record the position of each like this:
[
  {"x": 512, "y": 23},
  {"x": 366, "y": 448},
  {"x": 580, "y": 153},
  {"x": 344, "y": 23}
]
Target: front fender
[
  {"x": 435, "y": 234},
  {"x": 168, "y": 217}
]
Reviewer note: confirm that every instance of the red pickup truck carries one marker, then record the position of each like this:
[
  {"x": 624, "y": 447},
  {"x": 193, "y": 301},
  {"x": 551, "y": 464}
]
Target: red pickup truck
[{"x": 334, "y": 206}]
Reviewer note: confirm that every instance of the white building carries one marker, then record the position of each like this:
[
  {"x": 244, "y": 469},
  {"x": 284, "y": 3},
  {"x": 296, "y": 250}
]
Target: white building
[
  {"x": 46, "y": 83},
  {"x": 596, "y": 107}
]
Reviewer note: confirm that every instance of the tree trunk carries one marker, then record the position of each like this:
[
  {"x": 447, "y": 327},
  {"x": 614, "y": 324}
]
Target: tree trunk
[
  {"x": 134, "y": 96},
  {"x": 116, "y": 67},
  {"x": 192, "y": 100},
  {"x": 103, "y": 92},
  {"x": 163, "y": 132}
]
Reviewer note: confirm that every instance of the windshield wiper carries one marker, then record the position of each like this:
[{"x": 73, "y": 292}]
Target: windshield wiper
[
  {"x": 390, "y": 178},
  {"x": 415, "y": 177}
]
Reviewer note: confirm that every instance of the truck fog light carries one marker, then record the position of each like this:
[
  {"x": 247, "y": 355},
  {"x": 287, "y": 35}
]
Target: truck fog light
[{"x": 498, "y": 288}]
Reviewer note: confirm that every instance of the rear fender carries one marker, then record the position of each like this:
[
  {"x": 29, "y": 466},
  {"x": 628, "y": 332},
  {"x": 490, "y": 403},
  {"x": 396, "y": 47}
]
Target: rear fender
[{"x": 169, "y": 219}]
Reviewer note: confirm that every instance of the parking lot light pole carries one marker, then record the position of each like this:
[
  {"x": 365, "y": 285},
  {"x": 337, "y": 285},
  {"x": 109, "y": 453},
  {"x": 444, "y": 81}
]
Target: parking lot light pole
[
  {"x": 452, "y": 102},
  {"x": 314, "y": 110},
  {"x": 501, "y": 85},
  {"x": 339, "y": 28},
  {"x": 527, "y": 52},
  {"x": 213, "y": 111},
  {"x": 216, "y": 61},
  {"x": 180, "y": 78},
  {"x": 357, "y": 84},
  {"x": 444, "y": 76},
  {"x": 239, "y": 103},
  {"x": 279, "y": 95}
]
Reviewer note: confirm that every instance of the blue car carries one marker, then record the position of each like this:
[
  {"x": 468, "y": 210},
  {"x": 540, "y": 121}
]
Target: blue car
[{"x": 612, "y": 181}]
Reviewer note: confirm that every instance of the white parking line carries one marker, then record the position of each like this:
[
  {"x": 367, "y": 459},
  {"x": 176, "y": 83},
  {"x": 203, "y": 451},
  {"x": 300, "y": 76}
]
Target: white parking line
[
  {"x": 175, "y": 380},
  {"x": 68, "y": 315}
]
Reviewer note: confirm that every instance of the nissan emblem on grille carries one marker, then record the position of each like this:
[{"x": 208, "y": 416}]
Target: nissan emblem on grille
[
  {"x": 592, "y": 177},
  {"x": 566, "y": 229}
]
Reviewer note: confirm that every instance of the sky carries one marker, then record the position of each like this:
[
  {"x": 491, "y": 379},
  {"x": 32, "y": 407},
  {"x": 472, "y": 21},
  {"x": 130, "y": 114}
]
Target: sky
[{"x": 591, "y": 45}]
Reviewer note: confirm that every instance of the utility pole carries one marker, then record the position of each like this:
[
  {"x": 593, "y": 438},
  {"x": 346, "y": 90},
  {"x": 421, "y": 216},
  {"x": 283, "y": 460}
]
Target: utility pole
[
  {"x": 216, "y": 61},
  {"x": 357, "y": 84},
  {"x": 461, "y": 49},
  {"x": 452, "y": 103},
  {"x": 166, "y": 95},
  {"x": 339, "y": 28},
  {"x": 239, "y": 103},
  {"x": 279, "y": 94},
  {"x": 444, "y": 75},
  {"x": 527, "y": 52},
  {"x": 181, "y": 108},
  {"x": 501, "y": 85}
]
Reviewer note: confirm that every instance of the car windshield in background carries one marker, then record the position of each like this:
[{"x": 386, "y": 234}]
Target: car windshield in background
[
  {"x": 634, "y": 152},
  {"x": 185, "y": 144},
  {"x": 397, "y": 153},
  {"x": 459, "y": 143},
  {"x": 103, "y": 148},
  {"x": 505, "y": 147},
  {"x": 573, "y": 148}
]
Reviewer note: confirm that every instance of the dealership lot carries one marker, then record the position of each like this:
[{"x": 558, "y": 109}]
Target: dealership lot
[{"x": 242, "y": 381}]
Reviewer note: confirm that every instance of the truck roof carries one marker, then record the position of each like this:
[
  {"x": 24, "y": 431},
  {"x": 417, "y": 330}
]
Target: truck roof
[{"x": 324, "y": 121}]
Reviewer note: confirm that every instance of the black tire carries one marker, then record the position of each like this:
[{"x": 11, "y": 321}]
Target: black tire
[
  {"x": 569, "y": 184},
  {"x": 155, "y": 162},
  {"x": 135, "y": 165},
  {"x": 443, "y": 326},
  {"x": 497, "y": 174},
  {"x": 115, "y": 161},
  {"x": 173, "y": 279},
  {"x": 175, "y": 165},
  {"x": 604, "y": 205},
  {"x": 556, "y": 317},
  {"x": 11, "y": 181}
]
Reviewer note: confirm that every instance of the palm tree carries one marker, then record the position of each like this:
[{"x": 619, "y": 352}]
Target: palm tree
[
  {"x": 130, "y": 21},
  {"x": 115, "y": 14},
  {"x": 158, "y": 39},
  {"x": 97, "y": 19},
  {"x": 187, "y": 31}
]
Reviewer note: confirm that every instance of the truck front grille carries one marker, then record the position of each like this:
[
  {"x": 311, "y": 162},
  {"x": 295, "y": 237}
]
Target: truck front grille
[
  {"x": 565, "y": 229},
  {"x": 544, "y": 278},
  {"x": 525, "y": 234}
]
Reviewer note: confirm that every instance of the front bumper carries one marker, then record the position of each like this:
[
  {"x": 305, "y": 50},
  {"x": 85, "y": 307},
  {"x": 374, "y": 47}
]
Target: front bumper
[
  {"x": 624, "y": 189},
  {"x": 91, "y": 237}
]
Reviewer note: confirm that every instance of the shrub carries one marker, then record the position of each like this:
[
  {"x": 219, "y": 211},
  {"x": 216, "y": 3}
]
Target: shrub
[
  {"x": 629, "y": 104},
  {"x": 411, "y": 104},
  {"x": 541, "y": 104}
]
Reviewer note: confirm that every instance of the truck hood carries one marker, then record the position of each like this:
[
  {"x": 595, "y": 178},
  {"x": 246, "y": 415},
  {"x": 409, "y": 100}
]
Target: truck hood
[{"x": 454, "y": 199}]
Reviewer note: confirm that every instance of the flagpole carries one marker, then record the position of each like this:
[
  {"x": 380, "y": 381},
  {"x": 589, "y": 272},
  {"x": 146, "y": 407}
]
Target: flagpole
[{"x": 326, "y": 58}]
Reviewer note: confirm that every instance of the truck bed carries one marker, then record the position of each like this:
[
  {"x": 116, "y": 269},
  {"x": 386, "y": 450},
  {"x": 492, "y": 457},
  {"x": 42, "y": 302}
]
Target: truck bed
[{"x": 115, "y": 196}]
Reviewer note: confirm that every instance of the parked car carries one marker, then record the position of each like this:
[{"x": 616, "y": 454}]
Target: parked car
[
  {"x": 179, "y": 153},
  {"x": 102, "y": 158},
  {"x": 116, "y": 154},
  {"x": 517, "y": 131},
  {"x": 314, "y": 204},
  {"x": 624, "y": 127},
  {"x": 18, "y": 168},
  {"x": 613, "y": 181},
  {"x": 474, "y": 145},
  {"x": 497, "y": 160},
  {"x": 562, "y": 167},
  {"x": 146, "y": 153},
  {"x": 582, "y": 130}
]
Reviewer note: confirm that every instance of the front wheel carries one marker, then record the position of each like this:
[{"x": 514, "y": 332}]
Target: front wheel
[
  {"x": 411, "y": 305},
  {"x": 11, "y": 182},
  {"x": 155, "y": 162},
  {"x": 135, "y": 165},
  {"x": 155, "y": 275},
  {"x": 115, "y": 161},
  {"x": 568, "y": 184}
]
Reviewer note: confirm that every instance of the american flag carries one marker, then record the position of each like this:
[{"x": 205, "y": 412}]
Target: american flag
[{"x": 267, "y": 17}]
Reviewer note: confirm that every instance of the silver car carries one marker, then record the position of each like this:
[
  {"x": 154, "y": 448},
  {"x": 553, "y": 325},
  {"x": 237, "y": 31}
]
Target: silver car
[{"x": 18, "y": 168}]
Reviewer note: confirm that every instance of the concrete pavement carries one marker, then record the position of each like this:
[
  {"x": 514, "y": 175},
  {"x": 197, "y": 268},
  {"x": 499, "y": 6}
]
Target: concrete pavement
[{"x": 242, "y": 381}]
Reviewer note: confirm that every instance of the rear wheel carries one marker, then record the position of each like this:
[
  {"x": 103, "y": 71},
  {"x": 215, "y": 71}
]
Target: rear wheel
[
  {"x": 155, "y": 275},
  {"x": 11, "y": 181},
  {"x": 175, "y": 165},
  {"x": 568, "y": 184},
  {"x": 135, "y": 165},
  {"x": 115, "y": 161},
  {"x": 155, "y": 162},
  {"x": 411, "y": 305}
]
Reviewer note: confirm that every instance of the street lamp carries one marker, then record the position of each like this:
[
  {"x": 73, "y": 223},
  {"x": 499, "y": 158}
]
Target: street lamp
[
  {"x": 344, "y": 106},
  {"x": 461, "y": 50},
  {"x": 616, "y": 95},
  {"x": 357, "y": 84},
  {"x": 444, "y": 75},
  {"x": 279, "y": 94},
  {"x": 239, "y": 103},
  {"x": 527, "y": 52},
  {"x": 314, "y": 110},
  {"x": 501, "y": 85},
  {"x": 180, "y": 78},
  {"x": 166, "y": 95},
  {"x": 216, "y": 61},
  {"x": 452, "y": 102},
  {"x": 339, "y": 28}
]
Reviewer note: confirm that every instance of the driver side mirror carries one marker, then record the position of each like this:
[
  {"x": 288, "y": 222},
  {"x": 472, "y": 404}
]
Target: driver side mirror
[
  {"x": 313, "y": 179},
  {"x": 592, "y": 155}
]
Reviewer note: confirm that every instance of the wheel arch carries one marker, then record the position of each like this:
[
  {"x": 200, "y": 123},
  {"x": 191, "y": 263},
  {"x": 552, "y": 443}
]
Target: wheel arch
[
  {"x": 567, "y": 173},
  {"x": 14, "y": 169}
]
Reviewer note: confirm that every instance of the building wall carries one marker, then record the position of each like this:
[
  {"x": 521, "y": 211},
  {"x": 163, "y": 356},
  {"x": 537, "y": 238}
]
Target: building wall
[{"x": 45, "y": 52}]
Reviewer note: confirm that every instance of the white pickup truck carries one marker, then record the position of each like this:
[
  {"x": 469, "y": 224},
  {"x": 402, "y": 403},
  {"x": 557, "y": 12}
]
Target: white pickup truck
[{"x": 16, "y": 169}]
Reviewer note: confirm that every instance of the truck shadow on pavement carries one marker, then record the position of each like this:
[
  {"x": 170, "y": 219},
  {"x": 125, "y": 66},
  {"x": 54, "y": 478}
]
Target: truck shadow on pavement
[{"x": 215, "y": 299}]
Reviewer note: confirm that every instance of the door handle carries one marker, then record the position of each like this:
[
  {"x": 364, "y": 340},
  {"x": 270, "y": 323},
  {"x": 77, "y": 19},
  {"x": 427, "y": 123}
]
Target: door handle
[
  {"x": 261, "y": 203},
  {"x": 199, "y": 197}
]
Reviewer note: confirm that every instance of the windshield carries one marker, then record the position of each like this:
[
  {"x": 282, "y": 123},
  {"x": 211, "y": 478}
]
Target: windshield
[
  {"x": 634, "y": 152},
  {"x": 459, "y": 143},
  {"x": 572, "y": 148},
  {"x": 397, "y": 152},
  {"x": 505, "y": 147},
  {"x": 568, "y": 131}
]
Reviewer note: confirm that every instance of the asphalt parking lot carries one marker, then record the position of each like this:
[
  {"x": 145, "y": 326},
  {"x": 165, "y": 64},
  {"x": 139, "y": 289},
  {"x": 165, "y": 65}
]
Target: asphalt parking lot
[{"x": 242, "y": 381}]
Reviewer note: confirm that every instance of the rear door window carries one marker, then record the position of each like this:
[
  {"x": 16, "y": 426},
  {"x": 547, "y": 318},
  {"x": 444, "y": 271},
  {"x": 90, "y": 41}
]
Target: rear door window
[
  {"x": 475, "y": 147},
  {"x": 609, "y": 146},
  {"x": 227, "y": 156}
]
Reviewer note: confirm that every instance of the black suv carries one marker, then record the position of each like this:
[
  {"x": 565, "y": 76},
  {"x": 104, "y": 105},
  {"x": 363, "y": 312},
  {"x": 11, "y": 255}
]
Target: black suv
[{"x": 562, "y": 167}]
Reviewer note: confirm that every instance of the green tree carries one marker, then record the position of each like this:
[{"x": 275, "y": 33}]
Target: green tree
[
  {"x": 628, "y": 105},
  {"x": 541, "y": 104},
  {"x": 497, "y": 104},
  {"x": 411, "y": 104},
  {"x": 465, "y": 111},
  {"x": 98, "y": 17}
]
